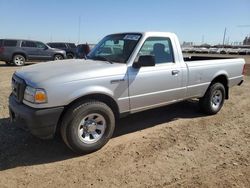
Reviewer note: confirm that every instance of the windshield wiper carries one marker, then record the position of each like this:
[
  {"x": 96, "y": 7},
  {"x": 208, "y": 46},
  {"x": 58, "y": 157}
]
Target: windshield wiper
[{"x": 102, "y": 59}]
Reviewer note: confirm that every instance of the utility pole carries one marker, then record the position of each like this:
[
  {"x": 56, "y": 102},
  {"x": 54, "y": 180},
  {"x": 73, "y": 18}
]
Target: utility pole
[
  {"x": 50, "y": 37},
  {"x": 202, "y": 39},
  {"x": 224, "y": 36}
]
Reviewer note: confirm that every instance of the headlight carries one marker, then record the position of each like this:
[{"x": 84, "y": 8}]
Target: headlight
[{"x": 35, "y": 95}]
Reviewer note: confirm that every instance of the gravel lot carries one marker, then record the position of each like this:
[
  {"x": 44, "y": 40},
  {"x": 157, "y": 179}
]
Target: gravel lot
[{"x": 166, "y": 147}]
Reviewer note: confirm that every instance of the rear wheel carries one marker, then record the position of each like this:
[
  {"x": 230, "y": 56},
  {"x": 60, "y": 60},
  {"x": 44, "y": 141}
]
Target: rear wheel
[
  {"x": 70, "y": 56},
  {"x": 18, "y": 60},
  {"x": 213, "y": 100},
  {"x": 58, "y": 57},
  {"x": 87, "y": 126}
]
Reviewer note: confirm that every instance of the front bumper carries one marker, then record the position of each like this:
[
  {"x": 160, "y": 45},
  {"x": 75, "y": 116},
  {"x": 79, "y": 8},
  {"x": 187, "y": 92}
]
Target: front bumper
[{"x": 40, "y": 122}]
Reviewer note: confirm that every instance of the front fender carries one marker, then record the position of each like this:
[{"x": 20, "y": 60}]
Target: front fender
[{"x": 88, "y": 91}]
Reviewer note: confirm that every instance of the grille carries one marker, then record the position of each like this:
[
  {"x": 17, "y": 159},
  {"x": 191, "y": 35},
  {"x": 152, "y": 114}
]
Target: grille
[{"x": 18, "y": 87}]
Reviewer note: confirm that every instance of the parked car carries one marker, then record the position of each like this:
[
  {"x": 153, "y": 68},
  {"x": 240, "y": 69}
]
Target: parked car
[
  {"x": 185, "y": 49},
  {"x": 222, "y": 51},
  {"x": 233, "y": 51},
  {"x": 84, "y": 99},
  {"x": 244, "y": 51},
  {"x": 19, "y": 51},
  {"x": 82, "y": 51},
  {"x": 212, "y": 50},
  {"x": 201, "y": 50},
  {"x": 69, "y": 48},
  {"x": 191, "y": 50}
]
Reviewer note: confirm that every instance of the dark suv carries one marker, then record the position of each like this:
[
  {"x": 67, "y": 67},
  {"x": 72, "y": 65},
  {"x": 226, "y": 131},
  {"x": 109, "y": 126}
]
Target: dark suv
[
  {"x": 69, "y": 48},
  {"x": 19, "y": 51}
]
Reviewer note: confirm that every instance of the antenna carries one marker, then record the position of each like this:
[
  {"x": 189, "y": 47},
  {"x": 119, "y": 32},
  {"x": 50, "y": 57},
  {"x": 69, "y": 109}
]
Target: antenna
[{"x": 224, "y": 36}]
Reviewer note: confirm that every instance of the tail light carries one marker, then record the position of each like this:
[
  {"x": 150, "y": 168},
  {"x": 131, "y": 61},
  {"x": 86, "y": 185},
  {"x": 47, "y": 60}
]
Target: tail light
[
  {"x": 1, "y": 49},
  {"x": 244, "y": 70}
]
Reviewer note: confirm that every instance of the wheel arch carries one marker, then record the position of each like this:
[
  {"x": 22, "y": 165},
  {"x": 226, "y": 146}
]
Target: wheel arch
[
  {"x": 20, "y": 53},
  {"x": 108, "y": 100},
  {"x": 57, "y": 53},
  {"x": 223, "y": 79}
]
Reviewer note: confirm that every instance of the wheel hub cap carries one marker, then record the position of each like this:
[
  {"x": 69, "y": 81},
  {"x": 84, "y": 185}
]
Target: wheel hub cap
[
  {"x": 216, "y": 99},
  {"x": 91, "y": 128}
]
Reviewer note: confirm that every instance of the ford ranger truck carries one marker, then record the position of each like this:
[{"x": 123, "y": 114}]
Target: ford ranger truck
[{"x": 125, "y": 73}]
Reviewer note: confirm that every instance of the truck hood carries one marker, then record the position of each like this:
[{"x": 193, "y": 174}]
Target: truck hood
[{"x": 68, "y": 71}]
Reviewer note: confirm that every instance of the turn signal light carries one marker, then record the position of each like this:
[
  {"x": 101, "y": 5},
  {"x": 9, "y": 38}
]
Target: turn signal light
[{"x": 40, "y": 97}]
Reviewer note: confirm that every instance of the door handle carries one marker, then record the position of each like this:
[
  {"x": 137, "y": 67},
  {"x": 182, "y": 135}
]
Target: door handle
[
  {"x": 175, "y": 72},
  {"x": 117, "y": 81}
]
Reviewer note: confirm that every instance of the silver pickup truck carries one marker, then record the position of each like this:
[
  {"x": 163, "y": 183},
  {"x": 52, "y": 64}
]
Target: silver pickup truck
[{"x": 125, "y": 73}]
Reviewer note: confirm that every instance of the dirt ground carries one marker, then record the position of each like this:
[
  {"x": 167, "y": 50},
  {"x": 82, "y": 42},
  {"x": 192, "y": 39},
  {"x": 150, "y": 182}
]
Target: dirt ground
[{"x": 173, "y": 146}]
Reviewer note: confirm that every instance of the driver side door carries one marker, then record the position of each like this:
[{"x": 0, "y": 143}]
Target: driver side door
[
  {"x": 157, "y": 85},
  {"x": 43, "y": 50}
]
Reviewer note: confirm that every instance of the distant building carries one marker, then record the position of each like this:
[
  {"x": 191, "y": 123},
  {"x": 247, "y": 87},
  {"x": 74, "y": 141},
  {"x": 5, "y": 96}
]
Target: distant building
[{"x": 246, "y": 41}]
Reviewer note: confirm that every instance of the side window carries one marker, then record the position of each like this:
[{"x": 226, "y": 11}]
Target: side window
[
  {"x": 28, "y": 44},
  {"x": 71, "y": 45},
  {"x": 9, "y": 43},
  {"x": 160, "y": 48},
  {"x": 51, "y": 45},
  {"x": 55, "y": 45},
  {"x": 61, "y": 45},
  {"x": 40, "y": 45}
]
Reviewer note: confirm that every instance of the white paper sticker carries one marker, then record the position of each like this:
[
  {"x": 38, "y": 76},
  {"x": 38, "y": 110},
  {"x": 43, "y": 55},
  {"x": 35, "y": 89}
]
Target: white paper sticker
[{"x": 132, "y": 37}]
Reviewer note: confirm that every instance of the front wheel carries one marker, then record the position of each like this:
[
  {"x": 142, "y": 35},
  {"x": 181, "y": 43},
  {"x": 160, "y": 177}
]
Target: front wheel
[
  {"x": 87, "y": 126},
  {"x": 213, "y": 100},
  {"x": 70, "y": 56},
  {"x": 58, "y": 57}
]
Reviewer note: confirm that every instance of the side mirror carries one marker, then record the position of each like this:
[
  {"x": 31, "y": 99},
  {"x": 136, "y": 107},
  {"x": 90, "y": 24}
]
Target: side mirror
[{"x": 145, "y": 61}]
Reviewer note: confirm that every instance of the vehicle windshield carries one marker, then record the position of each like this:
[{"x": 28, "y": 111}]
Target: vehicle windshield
[{"x": 115, "y": 48}]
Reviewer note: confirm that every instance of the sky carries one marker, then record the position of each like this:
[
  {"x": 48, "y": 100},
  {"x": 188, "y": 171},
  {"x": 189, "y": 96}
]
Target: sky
[{"x": 61, "y": 20}]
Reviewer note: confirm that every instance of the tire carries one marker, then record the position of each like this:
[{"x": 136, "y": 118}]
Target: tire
[
  {"x": 87, "y": 126},
  {"x": 58, "y": 57},
  {"x": 18, "y": 60},
  {"x": 213, "y": 100},
  {"x": 70, "y": 56}
]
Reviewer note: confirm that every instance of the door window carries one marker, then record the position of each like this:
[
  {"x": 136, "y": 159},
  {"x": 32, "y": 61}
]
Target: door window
[
  {"x": 158, "y": 47},
  {"x": 40, "y": 45},
  {"x": 29, "y": 44}
]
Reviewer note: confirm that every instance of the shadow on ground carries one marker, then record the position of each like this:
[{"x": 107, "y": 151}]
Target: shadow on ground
[{"x": 19, "y": 148}]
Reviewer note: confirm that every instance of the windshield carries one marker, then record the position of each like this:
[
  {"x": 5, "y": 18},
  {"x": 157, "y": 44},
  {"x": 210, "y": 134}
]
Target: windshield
[{"x": 115, "y": 48}]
